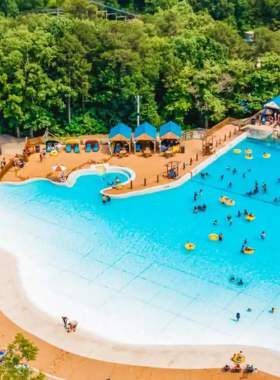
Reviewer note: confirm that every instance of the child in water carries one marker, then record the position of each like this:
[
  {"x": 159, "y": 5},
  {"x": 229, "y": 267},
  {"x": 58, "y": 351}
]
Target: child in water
[{"x": 263, "y": 235}]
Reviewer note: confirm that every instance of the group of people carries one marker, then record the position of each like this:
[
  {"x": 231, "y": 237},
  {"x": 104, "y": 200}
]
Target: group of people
[
  {"x": 69, "y": 326},
  {"x": 105, "y": 199}
]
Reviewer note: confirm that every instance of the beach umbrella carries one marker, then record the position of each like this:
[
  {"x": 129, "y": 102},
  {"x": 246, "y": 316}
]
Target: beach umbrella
[
  {"x": 266, "y": 112},
  {"x": 58, "y": 168}
]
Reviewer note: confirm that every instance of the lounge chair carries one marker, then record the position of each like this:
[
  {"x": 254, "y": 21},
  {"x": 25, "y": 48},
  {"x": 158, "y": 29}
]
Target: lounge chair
[
  {"x": 68, "y": 148},
  {"x": 138, "y": 147},
  {"x": 95, "y": 147},
  {"x": 88, "y": 147},
  {"x": 76, "y": 148}
]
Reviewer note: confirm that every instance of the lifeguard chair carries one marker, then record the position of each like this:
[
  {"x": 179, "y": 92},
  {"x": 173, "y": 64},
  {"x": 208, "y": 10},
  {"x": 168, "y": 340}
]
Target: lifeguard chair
[{"x": 207, "y": 146}]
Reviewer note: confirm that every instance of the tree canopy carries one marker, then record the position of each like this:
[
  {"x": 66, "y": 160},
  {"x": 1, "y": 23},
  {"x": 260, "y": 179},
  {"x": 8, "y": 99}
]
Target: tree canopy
[
  {"x": 18, "y": 354},
  {"x": 188, "y": 61}
]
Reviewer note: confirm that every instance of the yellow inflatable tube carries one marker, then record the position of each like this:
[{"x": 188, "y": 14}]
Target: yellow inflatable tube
[
  {"x": 54, "y": 153},
  {"x": 119, "y": 186},
  {"x": 213, "y": 237},
  {"x": 223, "y": 199},
  {"x": 248, "y": 251},
  {"x": 266, "y": 155},
  {"x": 252, "y": 217},
  {"x": 230, "y": 202},
  {"x": 237, "y": 358},
  {"x": 190, "y": 246},
  {"x": 249, "y": 157},
  {"x": 237, "y": 151},
  {"x": 248, "y": 151}
]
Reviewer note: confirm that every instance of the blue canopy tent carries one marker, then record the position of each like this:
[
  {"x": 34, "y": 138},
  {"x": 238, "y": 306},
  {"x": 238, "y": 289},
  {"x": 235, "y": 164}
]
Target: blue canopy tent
[
  {"x": 273, "y": 103},
  {"x": 120, "y": 138},
  {"x": 144, "y": 134},
  {"x": 170, "y": 135}
]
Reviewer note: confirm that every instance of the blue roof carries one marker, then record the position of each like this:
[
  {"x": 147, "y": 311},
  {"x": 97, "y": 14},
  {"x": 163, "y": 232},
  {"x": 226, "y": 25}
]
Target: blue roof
[
  {"x": 273, "y": 102},
  {"x": 170, "y": 127},
  {"x": 121, "y": 129},
  {"x": 145, "y": 128}
]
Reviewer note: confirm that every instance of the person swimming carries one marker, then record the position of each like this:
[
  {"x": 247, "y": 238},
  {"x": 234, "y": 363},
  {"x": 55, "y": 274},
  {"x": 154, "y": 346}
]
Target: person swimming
[
  {"x": 200, "y": 192},
  {"x": 230, "y": 184},
  {"x": 256, "y": 190},
  {"x": 245, "y": 212},
  {"x": 276, "y": 200},
  {"x": 245, "y": 241},
  {"x": 228, "y": 167},
  {"x": 249, "y": 193},
  {"x": 203, "y": 207},
  {"x": 215, "y": 222},
  {"x": 232, "y": 279},
  {"x": 228, "y": 217},
  {"x": 195, "y": 209},
  {"x": 278, "y": 180},
  {"x": 263, "y": 235},
  {"x": 234, "y": 171},
  {"x": 220, "y": 237},
  {"x": 242, "y": 248},
  {"x": 239, "y": 213},
  {"x": 104, "y": 199},
  {"x": 249, "y": 309},
  {"x": 222, "y": 177},
  {"x": 240, "y": 282},
  {"x": 244, "y": 175},
  {"x": 195, "y": 196}
]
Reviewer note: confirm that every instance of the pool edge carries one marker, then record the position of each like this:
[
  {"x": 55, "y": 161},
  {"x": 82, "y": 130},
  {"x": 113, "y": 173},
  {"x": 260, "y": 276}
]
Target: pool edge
[{"x": 16, "y": 306}]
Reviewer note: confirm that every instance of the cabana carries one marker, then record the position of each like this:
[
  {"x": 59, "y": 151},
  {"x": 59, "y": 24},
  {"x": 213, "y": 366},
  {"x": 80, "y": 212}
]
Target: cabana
[
  {"x": 50, "y": 144},
  {"x": 92, "y": 145},
  {"x": 273, "y": 103},
  {"x": 120, "y": 138},
  {"x": 72, "y": 145},
  {"x": 170, "y": 135},
  {"x": 145, "y": 136}
]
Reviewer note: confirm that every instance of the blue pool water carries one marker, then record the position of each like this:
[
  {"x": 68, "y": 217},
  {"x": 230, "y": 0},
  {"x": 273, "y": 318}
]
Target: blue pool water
[{"x": 126, "y": 260}]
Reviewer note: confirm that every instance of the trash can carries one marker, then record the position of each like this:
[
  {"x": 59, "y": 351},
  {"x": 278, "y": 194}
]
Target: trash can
[
  {"x": 253, "y": 121},
  {"x": 37, "y": 148},
  {"x": 182, "y": 149}
]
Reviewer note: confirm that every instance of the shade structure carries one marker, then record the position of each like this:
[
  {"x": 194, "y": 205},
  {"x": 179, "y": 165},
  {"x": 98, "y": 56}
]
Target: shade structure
[
  {"x": 120, "y": 132},
  {"x": 120, "y": 136},
  {"x": 145, "y": 133},
  {"x": 266, "y": 112},
  {"x": 273, "y": 103},
  {"x": 94, "y": 145},
  {"x": 58, "y": 168},
  {"x": 170, "y": 131},
  {"x": 72, "y": 142}
]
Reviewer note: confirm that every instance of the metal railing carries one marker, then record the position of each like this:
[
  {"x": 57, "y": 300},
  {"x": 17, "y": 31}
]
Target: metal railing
[{"x": 108, "y": 11}]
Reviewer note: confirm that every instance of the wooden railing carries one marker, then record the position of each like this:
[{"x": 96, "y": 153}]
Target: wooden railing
[
  {"x": 219, "y": 126},
  {"x": 199, "y": 132}
]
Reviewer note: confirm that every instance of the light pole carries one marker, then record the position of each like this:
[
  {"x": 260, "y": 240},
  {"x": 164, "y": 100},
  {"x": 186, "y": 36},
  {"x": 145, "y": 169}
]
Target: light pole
[{"x": 137, "y": 97}]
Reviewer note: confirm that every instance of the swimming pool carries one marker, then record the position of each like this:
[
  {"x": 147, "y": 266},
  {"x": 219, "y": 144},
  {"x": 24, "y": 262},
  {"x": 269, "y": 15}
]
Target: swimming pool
[{"x": 122, "y": 271}]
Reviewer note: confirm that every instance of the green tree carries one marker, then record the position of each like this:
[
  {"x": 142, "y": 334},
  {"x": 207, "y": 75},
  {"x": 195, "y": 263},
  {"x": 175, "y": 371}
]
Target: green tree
[
  {"x": 9, "y": 7},
  {"x": 19, "y": 352}
]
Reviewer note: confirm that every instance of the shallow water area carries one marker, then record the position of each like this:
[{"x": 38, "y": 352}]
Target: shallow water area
[{"x": 121, "y": 269}]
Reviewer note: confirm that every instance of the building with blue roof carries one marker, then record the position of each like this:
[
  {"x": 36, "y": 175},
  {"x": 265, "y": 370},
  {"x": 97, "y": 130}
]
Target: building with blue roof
[
  {"x": 145, "y": 136},
  {"x": 170, "y": 135},
  {"x": 273, "y": 103},
  {"x": 120, "y": 138},
  {"x": 169, "y": 131}
]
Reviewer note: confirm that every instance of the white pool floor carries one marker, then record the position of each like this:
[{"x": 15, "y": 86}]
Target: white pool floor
[{"x": 126, "y": 297}]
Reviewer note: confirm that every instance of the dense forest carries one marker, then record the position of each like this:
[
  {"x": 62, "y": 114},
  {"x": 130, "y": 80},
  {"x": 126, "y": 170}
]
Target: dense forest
[{"x": 187, "y": 60}]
